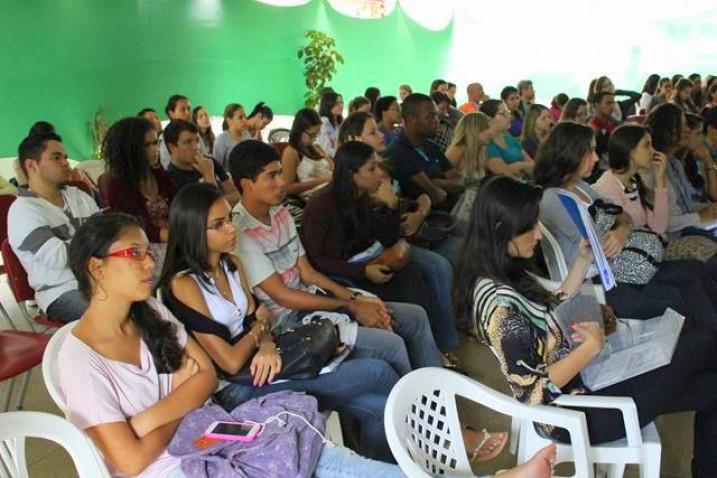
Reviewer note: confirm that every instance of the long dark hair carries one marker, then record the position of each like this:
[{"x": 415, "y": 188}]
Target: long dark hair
[
  {"x": 666, "y": 123},
  {"x": 560, "y": 156},
  {"x": 349, "y": 158},
  {"x": 94, "y": 239},
  {"x": 304, "y": 119},
  {"x": 207, "y": 135},
  {"x": 123, "y": 149},
  {"x": 263, "y": 109},
  {"x": 326, "y": 104},
  {"x": 650, "y": 86},
  {"x": 187, "y": 246},
  {"x": 622, "y": 142},
  {"x": 503, "y": 209},
  {"x": 570, "y": 110},
  {"x": 353, "y": 126}
]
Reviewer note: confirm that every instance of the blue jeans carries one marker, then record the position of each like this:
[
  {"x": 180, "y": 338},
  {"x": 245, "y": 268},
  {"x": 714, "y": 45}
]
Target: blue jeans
[
  {"x": 410, "y": 347},
  {"x": 450, "y": 248},
  {"x": 437, "y": 272},
  {"x": 340, "y": 462},
  {"x": 68, "y": 307},
  {"x": 358, "y": 388}
]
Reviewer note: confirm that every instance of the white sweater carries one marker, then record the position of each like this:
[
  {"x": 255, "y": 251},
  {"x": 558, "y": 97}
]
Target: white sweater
[{"x": 40, "y": 232}]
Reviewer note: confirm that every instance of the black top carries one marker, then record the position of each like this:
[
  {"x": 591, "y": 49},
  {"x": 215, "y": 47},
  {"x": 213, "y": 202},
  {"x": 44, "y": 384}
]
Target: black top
[
  {"x": 183, "y": 177},
  {"x": 405, "y": 161}
]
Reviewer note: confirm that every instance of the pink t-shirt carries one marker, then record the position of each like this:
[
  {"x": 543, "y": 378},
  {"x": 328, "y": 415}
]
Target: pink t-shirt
[{"x": 99, "y": 390}]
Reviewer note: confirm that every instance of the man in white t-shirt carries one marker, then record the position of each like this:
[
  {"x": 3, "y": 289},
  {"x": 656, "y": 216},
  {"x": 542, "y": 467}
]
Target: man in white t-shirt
[
  {"x": 281, "y": 275},
  {"x": 42, "y": 221}
]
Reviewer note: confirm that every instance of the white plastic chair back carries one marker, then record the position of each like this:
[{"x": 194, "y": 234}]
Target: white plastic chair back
[
  {"x": 50, "y": 363},
  {"x": 553, "y": 254},
  {"x": 16, "y": 426},
  {"x": 424, "y": 432},
  {"x": 93, "y": 167}
]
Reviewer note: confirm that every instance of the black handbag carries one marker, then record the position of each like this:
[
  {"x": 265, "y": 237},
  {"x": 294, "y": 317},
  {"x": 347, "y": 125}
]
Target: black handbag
[{"x": 304, "y": 351}]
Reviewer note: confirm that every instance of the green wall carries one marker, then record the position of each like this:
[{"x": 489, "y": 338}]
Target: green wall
[{"x": 61, "y": 60}]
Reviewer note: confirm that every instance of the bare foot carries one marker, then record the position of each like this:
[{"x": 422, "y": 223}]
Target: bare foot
[
  {"x": 540, "y": 466},
  {"x": 479, "y": 448}
]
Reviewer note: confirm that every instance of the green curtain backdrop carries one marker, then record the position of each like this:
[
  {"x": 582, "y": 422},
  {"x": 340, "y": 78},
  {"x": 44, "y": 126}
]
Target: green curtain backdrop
[{"x": 62, "y": 60}]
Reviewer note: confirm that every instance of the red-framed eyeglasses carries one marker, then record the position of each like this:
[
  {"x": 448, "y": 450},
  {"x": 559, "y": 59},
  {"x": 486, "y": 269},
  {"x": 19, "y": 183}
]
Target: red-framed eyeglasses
[{"x": 135, "y": 253}]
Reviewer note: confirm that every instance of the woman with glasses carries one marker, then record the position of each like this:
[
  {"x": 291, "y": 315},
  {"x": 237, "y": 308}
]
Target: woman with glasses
[
  {"x": 306, "y": 167},
  {"x": 205, "y": 286},
  {"x": 136, "y": 183},
  {"x": 504, "y": 154}
]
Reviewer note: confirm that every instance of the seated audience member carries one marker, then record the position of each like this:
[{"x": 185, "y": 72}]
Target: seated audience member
[
  {"x": 360, "y": 103},
  {"x": 203, "y": 122},
  {"x": 444, "y": 131},
  {"x": 359, "y": 213},
  {"x": 564, "y": 161},
  {"x": 649, "y": 91},
  {"x": 664, "y": 92},
  {"x": 511, "y": 100},
  {"x": 306, "y": 168},
  {"x": 371, "y": 94},
  {"x": 603, "y": 121},
  {"x": 41, "y": 222},
  {"x": 576, "y": 109},
  {"x": 388, "y": 116},
  {"x": 135, "y": 182},
  {"x": 417, "y": 163},
  {"x": 438, "y": 85},
  {"x": 526, "y": 92},
  {"x": 178, "y": 108},
  {"x": 234, "y": 131},
  {"x": 451, "y": 92},
  {"x": 556, "y": 107},
  {"x": 504, "y": 155},
  {"x": 189, "y": 166},
  {"x": 331, "y": 108},
  {"x": 631, "y": 156},
  {"x": 710, "y": 97},
  {"x": 709, "y": 117},
  {"x": 403, "y": 91},
  {"x": 669, "y": 136},
  {"x": 131, "y": 371},
  {"x": 206, "y": 288},
  {"x": 282, "y": 277},
  {"x": 151, "y": 115},
  {"x": 697, "y": 160},
  {"x": 514, "y": 315},
  {"x": 467, "y": 151},
  {"x": 682, "y": 96},
  {"x": 536, "y": 128},
  {"x": 696, "y": 80},
  {"x": 476, "y": 96},
  {"x": 436, "y": 264},
  {"x": 258, "y": 119},
  {"x": 621, "y": 109}
]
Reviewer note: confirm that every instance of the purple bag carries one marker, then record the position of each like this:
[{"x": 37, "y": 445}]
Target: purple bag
[{"x": 287, "y": 447}]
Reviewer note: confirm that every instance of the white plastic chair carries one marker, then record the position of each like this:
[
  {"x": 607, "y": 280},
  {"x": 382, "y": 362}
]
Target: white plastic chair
[
  {"x": 640, "y": 447},
  {"x": 16, "y": 426},
  {"x": 558, "y": 266},
  {"x": 50, "y": 362},
  {"x": 424, "y": 432},
  {"x": 93, "y": 167}
]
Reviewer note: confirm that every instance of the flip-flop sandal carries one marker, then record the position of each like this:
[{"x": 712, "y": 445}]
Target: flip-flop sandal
[{"x": 475, "y": 458}]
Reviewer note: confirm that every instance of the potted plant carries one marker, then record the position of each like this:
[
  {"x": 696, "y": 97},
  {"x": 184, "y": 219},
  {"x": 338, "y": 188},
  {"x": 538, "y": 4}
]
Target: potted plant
[{"x": 320, "y": 59}]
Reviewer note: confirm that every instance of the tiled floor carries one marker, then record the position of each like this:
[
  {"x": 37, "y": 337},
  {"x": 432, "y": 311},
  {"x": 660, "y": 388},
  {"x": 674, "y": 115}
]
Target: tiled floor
[{"x": 47, "y": 460}]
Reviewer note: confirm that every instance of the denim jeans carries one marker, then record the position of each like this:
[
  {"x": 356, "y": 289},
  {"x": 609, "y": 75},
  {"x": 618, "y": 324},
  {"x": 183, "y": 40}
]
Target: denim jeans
[
  {"x": 358, "y": 388},
  {"x": 68, "y": 307},
  {"x": 450, "y": 248},
  {"x": 410, "y": 347},
  {"x": 437, "y": 271},
  {"x": 340, "y": 462}
]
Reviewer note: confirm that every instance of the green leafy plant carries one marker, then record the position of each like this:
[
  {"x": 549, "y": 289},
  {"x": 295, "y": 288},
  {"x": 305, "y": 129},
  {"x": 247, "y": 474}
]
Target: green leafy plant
[
  {"x": 320, "y": 59},
  {"x": 97, "y": 128}
]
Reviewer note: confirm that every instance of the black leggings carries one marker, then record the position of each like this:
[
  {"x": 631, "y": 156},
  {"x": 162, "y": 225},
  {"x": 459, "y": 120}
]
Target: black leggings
[
  {"x": 688, "y": 383},
  {"x": 689, "y": 287}
]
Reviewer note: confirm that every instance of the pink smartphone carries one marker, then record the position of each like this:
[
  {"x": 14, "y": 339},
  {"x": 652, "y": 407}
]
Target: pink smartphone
[{"x": 233, "y": 431}]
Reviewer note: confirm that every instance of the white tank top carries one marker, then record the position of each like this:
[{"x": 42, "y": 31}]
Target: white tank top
[{"x": 230, "y": 314}]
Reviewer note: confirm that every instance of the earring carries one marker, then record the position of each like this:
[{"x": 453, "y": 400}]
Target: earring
[{"x": 99, "y": 288}]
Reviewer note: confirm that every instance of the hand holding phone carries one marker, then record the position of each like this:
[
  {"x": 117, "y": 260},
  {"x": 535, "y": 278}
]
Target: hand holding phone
[{"x": 233, "y": 431}]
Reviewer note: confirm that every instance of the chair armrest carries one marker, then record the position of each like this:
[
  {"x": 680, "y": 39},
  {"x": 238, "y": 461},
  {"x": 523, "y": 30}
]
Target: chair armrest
[{"x": 625, "y": 404}]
